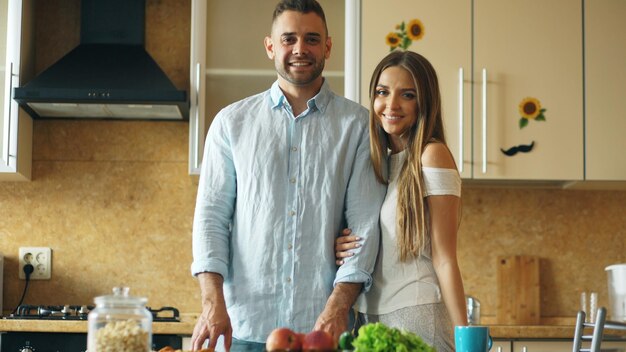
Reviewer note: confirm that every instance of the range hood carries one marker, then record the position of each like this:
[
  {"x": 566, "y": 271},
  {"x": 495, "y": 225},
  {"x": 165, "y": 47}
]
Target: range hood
[{"x": 109, "y": 75}]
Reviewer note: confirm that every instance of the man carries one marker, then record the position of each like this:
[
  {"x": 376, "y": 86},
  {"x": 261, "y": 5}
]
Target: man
[{"x": 283, "y": 172}]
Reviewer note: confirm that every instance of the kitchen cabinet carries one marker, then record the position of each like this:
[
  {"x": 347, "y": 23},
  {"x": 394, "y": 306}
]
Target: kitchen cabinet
[
  {"x": 446, "y": 44},
  {"x": 15, "y": 124},
  {"x": 501, "y": 345},
  {"x": 548, "y": 345},
  {"x": 229, "y": 63},
  {"x": 541, "y": 346},
  {"x": 605, "y": 74},
  {"x": 490, "y": 55}
]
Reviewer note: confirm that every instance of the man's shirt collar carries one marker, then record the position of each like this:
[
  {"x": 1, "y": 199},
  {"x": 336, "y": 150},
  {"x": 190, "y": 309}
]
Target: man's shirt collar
[{"x": 319, "y": 101}]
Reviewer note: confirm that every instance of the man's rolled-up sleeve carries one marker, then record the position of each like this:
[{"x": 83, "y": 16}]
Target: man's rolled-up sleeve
[
  {"x": 214, "y": 203},
  {"x": 364, "y": 197}
]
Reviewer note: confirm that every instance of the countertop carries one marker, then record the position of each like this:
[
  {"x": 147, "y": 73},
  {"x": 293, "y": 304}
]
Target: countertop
[
  {"x": 185, "y": 327},
  {"x": 6, "y": 325}
]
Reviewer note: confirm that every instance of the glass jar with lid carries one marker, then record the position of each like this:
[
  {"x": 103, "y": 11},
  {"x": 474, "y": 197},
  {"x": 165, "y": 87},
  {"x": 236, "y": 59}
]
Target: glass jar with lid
[{"x": 120, "y": 323}]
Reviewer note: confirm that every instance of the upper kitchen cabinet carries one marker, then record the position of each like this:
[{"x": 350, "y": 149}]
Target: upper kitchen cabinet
[
  {"x": 605, "y": 74},
  {"x": 229, "y": 63},
  {"x": 511, "y": 79},
  {"x": 445, "y": 40},
  {"x": 528, "y": 89},
  {"x": 15, "y": 125}
]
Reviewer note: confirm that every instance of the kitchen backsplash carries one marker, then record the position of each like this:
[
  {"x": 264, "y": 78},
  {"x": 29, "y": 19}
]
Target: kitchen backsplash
[{"x": 115, "y": 203}]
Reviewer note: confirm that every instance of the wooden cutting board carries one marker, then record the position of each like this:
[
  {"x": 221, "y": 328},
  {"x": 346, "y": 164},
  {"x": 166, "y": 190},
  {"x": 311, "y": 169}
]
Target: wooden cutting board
[{"x": 518, "y": 290}]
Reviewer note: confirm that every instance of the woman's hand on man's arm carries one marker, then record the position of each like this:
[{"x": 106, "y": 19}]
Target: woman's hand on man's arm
[{"x": 343, "y": 245}]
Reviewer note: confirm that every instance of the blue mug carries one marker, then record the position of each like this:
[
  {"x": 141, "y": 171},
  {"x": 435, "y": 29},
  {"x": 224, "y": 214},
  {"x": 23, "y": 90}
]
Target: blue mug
[{"x": 472, "y": 339}]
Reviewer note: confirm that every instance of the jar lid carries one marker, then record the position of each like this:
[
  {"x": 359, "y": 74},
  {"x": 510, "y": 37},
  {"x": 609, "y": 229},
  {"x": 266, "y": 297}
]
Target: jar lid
[
  {"x": 615, "y": 267},
  {"x": 120, "y": 297}
]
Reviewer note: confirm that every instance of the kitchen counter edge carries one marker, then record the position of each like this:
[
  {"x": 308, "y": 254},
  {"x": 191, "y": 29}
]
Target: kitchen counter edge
[
  {"x": 185, "y": 327},
  {"x": 80, "y": 326}
]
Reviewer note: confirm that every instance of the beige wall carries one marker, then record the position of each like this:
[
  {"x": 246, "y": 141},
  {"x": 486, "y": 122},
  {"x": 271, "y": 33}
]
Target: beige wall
[{"x": 115, "y": 203}]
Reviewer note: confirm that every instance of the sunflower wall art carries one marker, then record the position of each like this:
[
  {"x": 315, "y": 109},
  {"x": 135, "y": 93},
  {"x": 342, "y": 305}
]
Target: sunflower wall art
[
  {"x": 530, "y": 109},
  {"x": 405, "y": 34}
]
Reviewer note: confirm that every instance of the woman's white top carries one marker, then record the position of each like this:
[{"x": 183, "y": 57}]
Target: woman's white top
[{"x": 399, "y": 284}]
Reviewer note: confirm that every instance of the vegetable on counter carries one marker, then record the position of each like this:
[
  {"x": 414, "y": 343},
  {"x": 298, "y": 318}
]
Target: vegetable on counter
[
  {"x": 381, "y": 338},
  {"x": 375, "y": 337},
  {"x": 345, "y": 341}
]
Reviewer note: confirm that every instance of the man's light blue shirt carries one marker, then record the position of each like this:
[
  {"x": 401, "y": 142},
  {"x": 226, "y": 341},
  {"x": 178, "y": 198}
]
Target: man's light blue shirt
[{"x": 275, "y": 191}]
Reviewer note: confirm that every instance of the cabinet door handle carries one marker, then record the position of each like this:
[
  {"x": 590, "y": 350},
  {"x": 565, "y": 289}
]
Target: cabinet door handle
[
  {"x": 196, "y": 132},
  {"x": 197, "y": 78},
  {"x": 484, "y": 104},
  {"x": 461, "y": 120}
]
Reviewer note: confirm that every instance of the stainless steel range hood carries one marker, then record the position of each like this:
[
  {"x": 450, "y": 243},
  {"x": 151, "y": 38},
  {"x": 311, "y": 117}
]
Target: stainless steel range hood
[{"x": 109, "y": 75}]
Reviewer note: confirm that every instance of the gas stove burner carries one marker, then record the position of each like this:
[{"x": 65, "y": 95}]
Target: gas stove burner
[
  {"x": 69, "y": 312},
  {"x": 66, "y": 312}
]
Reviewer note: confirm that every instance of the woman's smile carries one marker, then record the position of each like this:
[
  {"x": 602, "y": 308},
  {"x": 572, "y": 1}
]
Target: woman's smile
[{"x": 395, "y": 103}]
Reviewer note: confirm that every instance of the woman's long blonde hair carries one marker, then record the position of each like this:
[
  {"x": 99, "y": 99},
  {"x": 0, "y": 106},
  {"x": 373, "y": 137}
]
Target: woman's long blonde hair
[{"x": 412, "y": 225}]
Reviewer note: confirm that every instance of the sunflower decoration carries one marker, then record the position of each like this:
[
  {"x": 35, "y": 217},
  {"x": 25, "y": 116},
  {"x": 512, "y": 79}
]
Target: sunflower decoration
[
  {"x": 415, "y": 29},
  {"x": 530, "y": 109},
  {"x": 405, "y": 34},
  {"x": 393, "y": 40}
]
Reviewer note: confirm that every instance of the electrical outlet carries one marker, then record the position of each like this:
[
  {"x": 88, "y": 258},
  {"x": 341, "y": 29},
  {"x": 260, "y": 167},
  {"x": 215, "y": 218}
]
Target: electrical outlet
[{"x": 41, "y": 260}]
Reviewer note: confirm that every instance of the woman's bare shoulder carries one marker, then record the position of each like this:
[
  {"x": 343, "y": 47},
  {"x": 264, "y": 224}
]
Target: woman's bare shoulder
[{"x": 438, "y": 155}]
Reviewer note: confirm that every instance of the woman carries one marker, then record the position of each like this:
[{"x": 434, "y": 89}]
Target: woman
[{"x": 417, "y": 283}]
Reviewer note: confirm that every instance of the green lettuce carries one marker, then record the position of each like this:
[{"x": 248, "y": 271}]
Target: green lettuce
[{"x": 377, "y": 337}]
